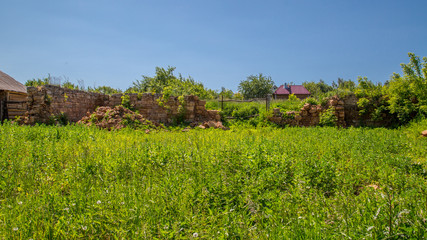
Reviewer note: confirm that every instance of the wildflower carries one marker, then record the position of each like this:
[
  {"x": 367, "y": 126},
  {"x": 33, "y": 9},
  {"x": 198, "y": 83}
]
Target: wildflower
[
  {"x": 20, "y": 203},
  {"x": 84, "y": 228},
  {"x": 66, "y": 209},
  {"x": 195, "y": 235},
  {"x": 98, "y": 202},
  {"x": 15, "y": 229},
  {"x": 122, "y": 203},
  {"x": 370, "y": 228}
]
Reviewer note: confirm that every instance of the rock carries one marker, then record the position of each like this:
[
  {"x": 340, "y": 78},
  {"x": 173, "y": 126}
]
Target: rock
[
  {"x": 202, "y": 127},
  {"x": 333, "y": 102},
  {"x": 424, "y": 133},
  {"x": 211, "y": 124},
  {"x": 313, "y": 109},
  {"x": 307, "y": 106}
]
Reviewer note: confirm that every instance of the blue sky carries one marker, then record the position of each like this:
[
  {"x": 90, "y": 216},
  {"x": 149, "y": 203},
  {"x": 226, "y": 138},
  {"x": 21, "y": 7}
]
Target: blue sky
[{"x": 218, "y": 43}]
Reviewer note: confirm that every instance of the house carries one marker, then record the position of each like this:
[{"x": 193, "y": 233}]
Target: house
[
  {"x": 13, "y": 97},
  {"x": 285, "y": 90}
]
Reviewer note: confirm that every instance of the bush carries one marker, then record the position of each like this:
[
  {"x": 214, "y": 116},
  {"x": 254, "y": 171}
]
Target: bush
[{"x": 328, "y": 118}]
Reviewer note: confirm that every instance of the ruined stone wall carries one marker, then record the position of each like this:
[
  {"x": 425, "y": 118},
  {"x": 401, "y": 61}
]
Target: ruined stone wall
[
  {"x": 309, "y": 115},
  {"x": 47, "y": 101},
  {"x": 345, "y": 109}
]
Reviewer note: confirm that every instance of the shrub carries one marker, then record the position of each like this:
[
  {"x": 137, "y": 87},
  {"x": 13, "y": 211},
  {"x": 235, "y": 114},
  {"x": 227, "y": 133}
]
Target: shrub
[{"x": 328, "y": 118}]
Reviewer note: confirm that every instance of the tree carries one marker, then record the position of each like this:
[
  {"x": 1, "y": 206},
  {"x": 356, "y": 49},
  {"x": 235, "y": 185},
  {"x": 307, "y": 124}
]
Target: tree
[
  {"x": 317, "y": 90},
  {"x": 105, "y": 90},
  {"x": 176, "y": 85},
  {"x": 256, "y": 86},
  {"x": 407, "y": 94},
  {"x": 227, "y": 93}
]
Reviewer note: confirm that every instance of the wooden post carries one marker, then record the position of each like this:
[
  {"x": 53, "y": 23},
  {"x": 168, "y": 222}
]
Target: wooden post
[
  {"x": 2, "y": 103},
  {"x": 222, "y": 102},
  {"x": 1, "y": 109}
]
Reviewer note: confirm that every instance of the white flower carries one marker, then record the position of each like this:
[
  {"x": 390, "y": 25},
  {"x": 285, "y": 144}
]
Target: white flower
[
  {"x": 15, "y": 229},
  {"x": 98, "y": 202},
  {"x": 122, "y": 203},
  {"x": 84, "y": 228},
  {"x": 370, "y": 228},
  {"x": 195, "y": 235},
  {"x": 66, "y": 209},
  {"x": 20, "y": 203}
]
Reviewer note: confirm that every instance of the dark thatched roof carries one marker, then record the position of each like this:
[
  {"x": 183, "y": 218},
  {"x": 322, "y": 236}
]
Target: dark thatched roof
[{"x": 7, "y": 83}]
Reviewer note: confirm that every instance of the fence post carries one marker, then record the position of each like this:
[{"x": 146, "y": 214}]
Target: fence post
[
  {"x": 222, "y": 102},
  {"x": 267, "y": 102}
]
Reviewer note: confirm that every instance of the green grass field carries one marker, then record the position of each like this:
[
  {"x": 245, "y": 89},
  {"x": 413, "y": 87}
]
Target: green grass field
[{"x": 292, "y": 183}]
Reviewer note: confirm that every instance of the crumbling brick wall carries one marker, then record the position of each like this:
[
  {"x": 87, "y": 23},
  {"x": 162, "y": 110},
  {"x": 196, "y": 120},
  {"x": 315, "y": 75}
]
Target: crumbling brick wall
[
  {"x": 309, "y": 115},
  {"x": 345, "y": 109},
  {"x": 46, "y": 101}
]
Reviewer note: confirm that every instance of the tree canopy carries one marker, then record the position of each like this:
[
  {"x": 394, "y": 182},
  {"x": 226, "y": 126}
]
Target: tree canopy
[
  {"x": 178, "y": 85},
  {"x": 256, "y": 86}
]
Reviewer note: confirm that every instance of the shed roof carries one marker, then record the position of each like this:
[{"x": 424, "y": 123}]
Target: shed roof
[{"x": 9, "y": 84}]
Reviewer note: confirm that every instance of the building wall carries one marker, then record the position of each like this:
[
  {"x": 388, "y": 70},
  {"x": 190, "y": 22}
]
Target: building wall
[
  {"x": 302, "y": 96},
  {"x": 12, "y": 104},
  {"x": 286, "y": 96},
  {"x": 281, "y": 96}
]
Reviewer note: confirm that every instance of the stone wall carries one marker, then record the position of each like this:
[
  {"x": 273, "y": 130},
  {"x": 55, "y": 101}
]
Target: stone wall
[
  {"x": 309, "y": 115},
  {"x": 345, "y": 109},
  {"x": 47, "y": 101}
]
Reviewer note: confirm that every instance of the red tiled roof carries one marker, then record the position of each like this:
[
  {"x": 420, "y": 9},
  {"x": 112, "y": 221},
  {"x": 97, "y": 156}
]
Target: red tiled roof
[
  {"x": 293, "y": 89},
  {"x": 299, "y": 89},
  {"x": 281, "y": 91}
]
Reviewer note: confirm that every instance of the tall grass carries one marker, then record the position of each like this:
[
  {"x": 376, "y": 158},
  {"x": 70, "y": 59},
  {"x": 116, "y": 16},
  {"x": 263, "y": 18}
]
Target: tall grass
[{"x": 293, "y": 183}]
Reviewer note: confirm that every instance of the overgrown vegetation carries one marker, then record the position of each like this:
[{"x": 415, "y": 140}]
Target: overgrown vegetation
[
  {"x": 399, "y": 100},
  {"x": 177, "y": 85},
  {"x": 294, "y": 183}
]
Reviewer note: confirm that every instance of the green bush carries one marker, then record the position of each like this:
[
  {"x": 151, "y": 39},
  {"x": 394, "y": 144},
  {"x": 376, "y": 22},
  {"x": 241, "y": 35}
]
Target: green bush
[{"x": 328, "y": 118}]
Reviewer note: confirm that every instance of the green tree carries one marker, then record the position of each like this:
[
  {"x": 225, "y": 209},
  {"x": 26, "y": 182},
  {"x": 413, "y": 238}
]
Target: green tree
[
  {"x": 318, "y": 89},
  {"x": 407, "y": 94},
  {"x": 105, "y": 90},
  {"x": 38, "y": 82},
  {"x": 227, "y": 93},
  {"x": 256, "y": 86},
  {"x": 176, "y": 85}
]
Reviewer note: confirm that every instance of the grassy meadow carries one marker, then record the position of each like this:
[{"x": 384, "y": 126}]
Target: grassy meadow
[{"x": 246, "y": 183}]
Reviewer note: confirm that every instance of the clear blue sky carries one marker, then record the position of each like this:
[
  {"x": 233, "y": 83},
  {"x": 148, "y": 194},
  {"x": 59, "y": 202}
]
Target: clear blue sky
[{"x": 218, "y": 43}]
